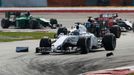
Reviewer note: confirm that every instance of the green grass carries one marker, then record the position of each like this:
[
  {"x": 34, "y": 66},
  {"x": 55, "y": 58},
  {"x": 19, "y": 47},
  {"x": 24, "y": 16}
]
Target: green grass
[
  {"x": 17, "y": 36},
  {"x": 131, "y": 74}
]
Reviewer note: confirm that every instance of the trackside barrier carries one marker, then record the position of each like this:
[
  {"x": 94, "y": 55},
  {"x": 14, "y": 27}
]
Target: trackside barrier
[{"x": 70, "y": 9}]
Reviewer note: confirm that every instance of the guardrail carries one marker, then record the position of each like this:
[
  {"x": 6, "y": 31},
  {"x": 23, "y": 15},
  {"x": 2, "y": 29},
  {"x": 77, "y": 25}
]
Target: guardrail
[{"x": 70, "y": 9}]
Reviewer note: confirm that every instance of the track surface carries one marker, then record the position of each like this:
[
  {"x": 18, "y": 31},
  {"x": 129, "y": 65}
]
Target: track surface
[
  {"x": 12, "y": 63},
  {"x": 67, "y": 19}
]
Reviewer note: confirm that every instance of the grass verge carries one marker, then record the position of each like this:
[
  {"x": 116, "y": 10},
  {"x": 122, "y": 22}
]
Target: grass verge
[
  {"x": 131, "y": 74},
  {"x": 17, "y": 36}
]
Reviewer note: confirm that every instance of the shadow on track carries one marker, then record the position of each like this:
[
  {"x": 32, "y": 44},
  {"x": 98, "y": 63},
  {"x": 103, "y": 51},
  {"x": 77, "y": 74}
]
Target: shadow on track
[{"x": 71, "y": 53}]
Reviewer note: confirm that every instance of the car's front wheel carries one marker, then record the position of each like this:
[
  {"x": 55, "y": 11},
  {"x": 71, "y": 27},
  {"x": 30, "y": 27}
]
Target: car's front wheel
[
  {"x": 109, "y": 42},
  {"x": 84, "y": 45},
  {"x": 45, "y": 42}
]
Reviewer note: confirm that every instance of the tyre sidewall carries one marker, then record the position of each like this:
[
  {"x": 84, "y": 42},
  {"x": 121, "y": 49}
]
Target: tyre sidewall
[
  {"x": 5, "y": 23},
  {"x": 109, "y": 42},
  {"x": 116, "y": 30},
  {"x": 84, "y": 45},
  {"x": 45, "y": 42}
]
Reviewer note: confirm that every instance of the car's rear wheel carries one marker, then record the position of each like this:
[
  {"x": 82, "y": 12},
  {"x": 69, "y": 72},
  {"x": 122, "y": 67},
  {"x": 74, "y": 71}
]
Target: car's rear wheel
[
  {"x": 5, "y": 23},
  {"x": 84, "y": 45},
  {"x": 62, "y": 30},
  {"x": 116, "y": 30},
  {"x": 109, "y": 42}
]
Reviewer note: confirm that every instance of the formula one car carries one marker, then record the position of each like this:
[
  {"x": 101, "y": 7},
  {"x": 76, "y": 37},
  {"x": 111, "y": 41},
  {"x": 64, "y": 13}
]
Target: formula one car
[
  {"x": 78, "y": 40},
  {"x": 104, "y": 21},
  {"x": 124, "y": 25},
  {"x": 23, "y": 19},
  {"x": 113, "y": 19}
]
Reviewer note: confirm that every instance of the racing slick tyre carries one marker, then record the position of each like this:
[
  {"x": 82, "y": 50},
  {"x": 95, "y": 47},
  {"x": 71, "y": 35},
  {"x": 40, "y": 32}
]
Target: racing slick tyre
[
  {"x": 116, "y": 31},
  {"x": 5, "y": 23},
  {"x": 45, "y": 42},
  {"x": 109, "y": 42},
  {"x": 33, "y": 24},
  {"x": 84, "y": 45},
  {"x": 62, "y": 30},
  {"x": 53, "y": 21}
]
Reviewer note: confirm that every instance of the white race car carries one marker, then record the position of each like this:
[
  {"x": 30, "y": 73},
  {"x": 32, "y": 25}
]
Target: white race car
[
  {"x": 78, "y": 40},
  {"x": 125, "y": 25}
]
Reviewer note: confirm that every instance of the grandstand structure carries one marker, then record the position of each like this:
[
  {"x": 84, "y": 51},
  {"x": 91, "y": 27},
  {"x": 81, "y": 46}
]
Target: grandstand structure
[{"x": 64, "y": 3}]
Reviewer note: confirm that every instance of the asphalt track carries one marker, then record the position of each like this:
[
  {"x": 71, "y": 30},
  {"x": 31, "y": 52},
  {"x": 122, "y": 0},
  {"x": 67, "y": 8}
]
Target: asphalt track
[
  {"x": 12, "y": 63},
  {"x": 66, "y": 19}
]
